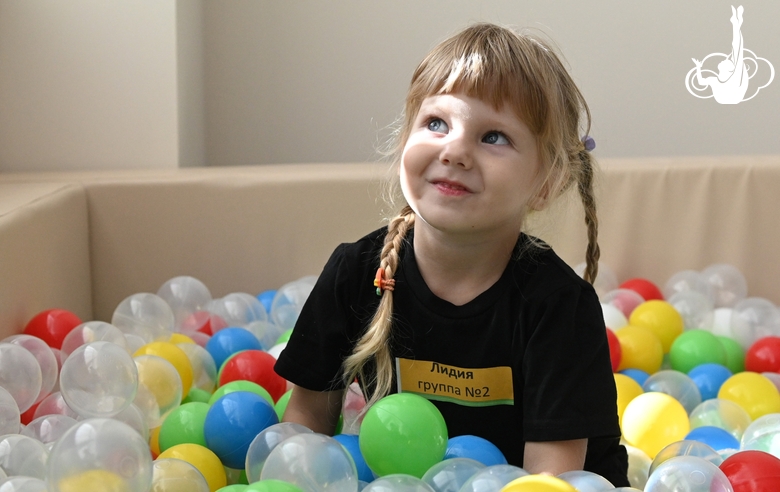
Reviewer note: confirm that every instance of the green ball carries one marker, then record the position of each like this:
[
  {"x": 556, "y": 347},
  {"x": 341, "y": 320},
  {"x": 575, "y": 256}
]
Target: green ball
[
  {"x": 403, "y": 433},
  {"x": 281, "y": 404},
  {"x": 241, "y": 385},
  {"x": 694, "y": 348},
  {"x": 197, "y": 395},
  {"x": 284, "y": 337},
  {"x": 233, "y": 488},
  {"x": 735, "y": 354},
  {"x": 184, "y": 425},
  {"x": 272, "y": 485}
]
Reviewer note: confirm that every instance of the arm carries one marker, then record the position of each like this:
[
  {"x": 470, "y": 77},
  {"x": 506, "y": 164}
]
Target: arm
[
  {"x": 555, "y": 457},
  {"x": 317, "y": 410}
]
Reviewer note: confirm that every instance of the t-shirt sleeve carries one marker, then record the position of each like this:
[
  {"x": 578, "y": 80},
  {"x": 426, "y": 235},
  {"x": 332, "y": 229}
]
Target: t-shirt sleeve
[
  {"x": 320, "y": 339},
  {"x": 569, "y": 389}
]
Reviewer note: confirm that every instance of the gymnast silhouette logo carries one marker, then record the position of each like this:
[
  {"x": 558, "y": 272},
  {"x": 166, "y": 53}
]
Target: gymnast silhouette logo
[{"x": 735, "y": 70}]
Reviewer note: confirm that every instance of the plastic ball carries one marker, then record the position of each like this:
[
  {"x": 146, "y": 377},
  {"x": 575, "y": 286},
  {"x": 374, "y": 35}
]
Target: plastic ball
[
  {"x": 727, "y": 283},
  {"x": 277, "y": 349},
  {"x": 696, "y": 309},
  {"x": 289, "y": 300},
  {"x": 201, "y": 458},
  {"x": 661, "y": 318},
  {"x": 764, "y": 355},
  {"x": 625, "y": 300},
  {"x": 637, "y": 375},
  {"x": 709, "y": 378},
  {"x": 493, "y": 478},
  {"x": 652, "y": 421},
  {"x": 696, "y": 347},
  {"x": 724, "y": 414},
  {"x": 763, "y": 434},
  {"x": 97, "y": 453},
  {"x": 309, "y": 458},
  {"x": 159, "y": 388},
  {"x": 54, "y": 404},
  {"x": 48, "y": 428},
  {"x": 236, "y": 309},
  {"x": 175, "y": 475},
  {"x": 204, "y": 369},
  {"x": 230, "y": 341},
  {"x": 735, "y": 355},
  {"x": 753, "y": 392},
  {"x": 256, "y": 366},
  {"x": 758, "y": 317},
  {"x": 638, "y": 466},
  {"x": 173, "y": 354},
  {"x": 644, "y": 287},
  {"x": 91, "y": 331},
  {"x": 614, "y": 319},
  {"x": 262, "y": 445},
  {"x": 354, "y": 403},
  {"x": 269, "y": 486},
  {"x": 715, "y": 437},
  {"x": 687, "y": 281},
  {"x": 451, "y": 474},
  {"x": 184, "y": 425},
  {"x": 52, "y": 325},
  {"x": 20, "y": 375},
  {"x": 351, "y": 443},
  {"x": 397, "y": 483},
  {"x": 22, "y": 484},
  {"x": 145, "y": 315},
  {"x": 476, "y": 448},
  {"x": 627, "y": 390},
  {"x": 677, "y": 385},
  {"x": 752, "y": 471},
  {"x": 641, "y": 349},
  {"x": 606, "y": 280},
  {"x": 233, "y": 422},
  {"x": 46, "y": 361},
  {"x": 686, "y": 447},
  {"x": 266, "y": 298},
  {"x": 615, "y": 352},
  {"x": 184, "y": 295},
  {"x": 99, "y": 380},
  {"x": 240, "y": 385},
  {"x": 201, "y": 322},
  {"x": 688, "y": 473},
  {"x": 266, "y": 332},
  {"x": 10, "y": 417},
  {"x": 585, "y": 481},
  {"x": 281, "y": 405},
  {"x": 23, "y": 455},
  {"x": 538, "y": 483},
  {"x": 403, "y": 433}
]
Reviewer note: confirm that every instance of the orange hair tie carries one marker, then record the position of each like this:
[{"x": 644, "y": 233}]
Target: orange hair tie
[{"x": 381, "y": 283}]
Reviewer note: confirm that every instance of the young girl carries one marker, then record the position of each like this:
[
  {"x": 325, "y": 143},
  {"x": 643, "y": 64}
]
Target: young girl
[{"x": 464, "y": 309}]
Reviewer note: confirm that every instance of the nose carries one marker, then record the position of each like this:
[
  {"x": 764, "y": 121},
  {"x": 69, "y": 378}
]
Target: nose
[{"x": 456, "y": 151}]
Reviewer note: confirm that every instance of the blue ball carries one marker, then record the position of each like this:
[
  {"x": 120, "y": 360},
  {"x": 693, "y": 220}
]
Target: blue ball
[
  {"x": 229, "y": 341},
  {"x": 709, "y": 378},
  {"x": 266, "y": 298},
  {"x": 233, "y": 422},
  {"x": 476, "y": 448},
  {"x": 714, "y": 437},
  {"x": 637, "y": 375},
  {"x": 351, "y": 444}
]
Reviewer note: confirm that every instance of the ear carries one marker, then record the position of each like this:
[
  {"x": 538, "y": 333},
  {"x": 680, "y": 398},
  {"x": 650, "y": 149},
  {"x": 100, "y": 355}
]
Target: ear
[{"x": 541, "y": 199}]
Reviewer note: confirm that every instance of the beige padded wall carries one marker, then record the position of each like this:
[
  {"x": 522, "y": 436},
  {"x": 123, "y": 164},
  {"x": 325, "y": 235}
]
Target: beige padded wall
[{"x": 44, "y": 252}]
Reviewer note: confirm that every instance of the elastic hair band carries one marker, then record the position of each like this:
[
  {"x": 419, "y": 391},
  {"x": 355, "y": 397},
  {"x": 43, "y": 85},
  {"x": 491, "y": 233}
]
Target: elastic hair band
[
  {"x": 589, "y": 143},
  {"x": 381, "y": 283}
]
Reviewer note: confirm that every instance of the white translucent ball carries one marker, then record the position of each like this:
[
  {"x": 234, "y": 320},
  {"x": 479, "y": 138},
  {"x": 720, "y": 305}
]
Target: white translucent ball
[
  {"x": 288, "y": 301},
  {"x": 676, "y": 384},
  {"x": 585, "y": 481},
  {"x": 726, "y": 323},
  {"x": 606, "y": 280},
  {"x": 204, "y": 369},
  {"x": 23, "y": 484},
  {"x": 266, "y": 332},
  {"x": 626, "y": 300},
  {"x": 54, "y": 404},
  {"x": 23, "y": 455},
  {"x": 48, "y": 428},
  {"x": 638, "y": 466},
  {"x": 721, "y": 413},
  {"x": 451, "y": 474},
  {"x": 688, "y": 473},
  {"x": 277, "y": 349},
  {"x": 493, "y": 478},
  {"x": 237, "y": 309},
  {"x": 185, "y": 295},
  {"x": 687, "y": 281},
  {"x": 265, "y": 442},
  {"x": 175, "y": 475},
  {"x": 685, "y": 448},
  {"x": 47, "y": 361},
  {"x": 727, "y": 283},
  {"x": 145, "y": 315},
  {"x": 103, "y": 451},
  {"x": 398, "y": 483},
  {"x": 614, "y": 318},
  {"x": 161, "y": 380},
  {"x": 696, "y": 309},
  {"x": 10, "y": 417},
  {"x": 763, "y": 434},
  {"x": 92, "y": 331},
  {"x": 759, "y": 318},
  {"x": 135, "y": 418},
  {"x": 20, "y": 375}
]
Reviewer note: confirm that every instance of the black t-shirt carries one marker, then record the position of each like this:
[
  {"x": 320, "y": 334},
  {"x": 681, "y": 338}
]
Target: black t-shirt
[{"x": 526, "y": 360}]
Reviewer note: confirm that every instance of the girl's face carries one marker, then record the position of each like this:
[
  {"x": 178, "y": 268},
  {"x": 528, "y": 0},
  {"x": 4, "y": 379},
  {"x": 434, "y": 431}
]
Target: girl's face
[{"x": 467, "y": 168}]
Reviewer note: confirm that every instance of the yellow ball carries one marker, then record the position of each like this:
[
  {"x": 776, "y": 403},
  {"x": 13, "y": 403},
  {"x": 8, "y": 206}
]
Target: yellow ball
[
  {"x": 640, "y": 348},
  {"x": 654, "y": 420},
  {"x": 102, "y": 480},
  {"x": 753, "y": 392},
  {"x": 538, "y": 483},
  {"x": 661, "y": 318},
  {"x": 173, "y": 354},
  {"x": 179, "y": 338},
  {"x": 201, "y": 458},
  {"x": 154, "y": 441},
  {"x": 627, "y": 390}
]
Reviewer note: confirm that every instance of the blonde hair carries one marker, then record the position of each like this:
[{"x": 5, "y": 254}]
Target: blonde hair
[{"x": 505, "y": 69}]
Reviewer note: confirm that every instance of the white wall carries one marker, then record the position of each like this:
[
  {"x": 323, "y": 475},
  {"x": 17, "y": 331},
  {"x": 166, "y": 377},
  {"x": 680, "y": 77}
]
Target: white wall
[{"x": 90, "y": 84}]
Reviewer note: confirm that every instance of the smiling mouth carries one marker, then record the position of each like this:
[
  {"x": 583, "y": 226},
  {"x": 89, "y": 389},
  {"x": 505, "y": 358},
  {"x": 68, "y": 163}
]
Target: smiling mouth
[{"x": 451, "y": 188}]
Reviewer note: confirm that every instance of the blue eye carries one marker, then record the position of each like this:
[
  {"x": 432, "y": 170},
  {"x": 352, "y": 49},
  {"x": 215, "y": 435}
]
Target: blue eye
[
  {"x": 437, "y": 125},
  {"x": 495, "y": 138}
]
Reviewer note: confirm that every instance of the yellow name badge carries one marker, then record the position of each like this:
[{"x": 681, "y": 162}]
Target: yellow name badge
[{"x": 471, "y": 387}]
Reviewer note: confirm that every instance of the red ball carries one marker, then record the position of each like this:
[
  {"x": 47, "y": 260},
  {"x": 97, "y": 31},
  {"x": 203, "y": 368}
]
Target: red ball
[
  {"x": 752, "y": 471},
  {"x": 29, "y": 415},
  {"x": 256, "y": 366},
  {"x": 52, "y": 326},
  {"x": 763, "y": 355},
  {"x": 615, "y": 351},
  {"x": 645, "y": 288}
]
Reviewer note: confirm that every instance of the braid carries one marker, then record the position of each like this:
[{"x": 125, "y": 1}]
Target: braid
[
  {"x": 585, "y": 186},
  {"x": 375, "y": 341}
]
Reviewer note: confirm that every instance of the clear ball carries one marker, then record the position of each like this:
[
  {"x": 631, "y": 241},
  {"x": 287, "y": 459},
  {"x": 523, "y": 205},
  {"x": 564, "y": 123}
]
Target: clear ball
[
  {"x": 638, "y": 466},
  {"x": 204, "y": 370},
  {"x": 10, "y": 417},
  {"x": 92, "y": 331},
  {"x": 145, "y": 315},
  {"x": 726, "y": 323},
  {"x": 99, "y": 380},
  {"x": 614, "y": 318},
  {"x": 687, "y": 281},
  {"x": 727, "y": 283},
  {"x": 313, "y": 462},
  {"x": 185, "y": 295},
  {"x": 688, "y": 473},
  {"x": 493, "y": 478},
  {"x": 20, "y": 375},
  {"x": 23, "y": 484},
  {"x": 46, "y": 361},
  {"x": 100, "y": 451},
  {"x": 354, "y": 403},
  {"x": 23, "y": 455},
  {"x": 135, "y": 418},
  {"x": 289, "y": 300},
  {"x": 237, "y": 310},
  {"x": 265, "y": 442},
  {"x": 585, "y": 481},
  {"x": 696, "y": 309},
  {"x": 162, "y": 380},
  {"x": 451, "y": 474},
  {"x": 54, "y": 404},
  {"x": 721, "y": 413},
  {"x": 760, "y": 318},
  {"x": 763, "y": 434},
  {"x": 397, "y": 483},
  {"x": 626, "y": 300},
  {"x": 48, "y": 428},
  {"x": 175, "y": 475},
  {"x": 606, "y": 280},
  {"x": 685, "y": 448},
  {"x": 676, "y": 384},
  {"x": 266, "y": 332}
]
